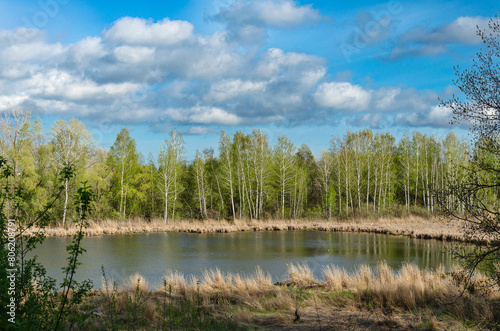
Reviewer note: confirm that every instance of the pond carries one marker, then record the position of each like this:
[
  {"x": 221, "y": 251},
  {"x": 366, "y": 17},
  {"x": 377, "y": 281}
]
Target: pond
[{"x": 151, "y": 254}]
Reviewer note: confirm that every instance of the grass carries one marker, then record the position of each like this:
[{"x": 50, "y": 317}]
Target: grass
[
  {"x": 369, "y": 298},
  {"x": 412, "y": 226}
]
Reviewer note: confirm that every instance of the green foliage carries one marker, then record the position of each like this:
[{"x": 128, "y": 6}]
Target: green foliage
[
  {"x": 124, "y": 162},
  {"x": 38, "y": 305},
  {"x": 473, "y": 186},
  {"x": 363, "y": 173}
]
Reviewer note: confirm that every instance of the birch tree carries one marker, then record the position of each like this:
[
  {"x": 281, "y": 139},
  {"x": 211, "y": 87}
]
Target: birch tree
[
  {"x": 72, "y": 145},
  {"x": 17, "y": 132},
  {"x": 284, "y": 161},
  {"x": 259, "y": 156},
  {"x": 170, "y": 167},
  {"x": 227, "y": 163},
  {"x": 123, "y": 158},
  {"x": 406, "y": 164},
  {"x": 326, "y": 166},
  {"x": 201, "y": 183}
]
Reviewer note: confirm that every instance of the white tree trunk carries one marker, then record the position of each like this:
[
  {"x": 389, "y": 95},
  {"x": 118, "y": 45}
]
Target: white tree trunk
[{"x": 65, "y": 201}]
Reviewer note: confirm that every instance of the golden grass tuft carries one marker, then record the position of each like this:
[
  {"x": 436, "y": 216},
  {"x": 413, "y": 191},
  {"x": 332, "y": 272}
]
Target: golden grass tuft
[
  {"x": 255, "y": 284},
  {"x": 135, "y": 283},
  {"x": 255, "y": 302},
  {"x": 300, "y": 275},
  {"x": 363, "y": 276},
  {"x": 336, "y": 279},
  {"x": 175, "y": 283}
]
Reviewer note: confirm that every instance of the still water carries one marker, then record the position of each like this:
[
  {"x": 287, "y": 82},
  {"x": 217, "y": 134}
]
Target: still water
[{"x": 152, "y": 254}]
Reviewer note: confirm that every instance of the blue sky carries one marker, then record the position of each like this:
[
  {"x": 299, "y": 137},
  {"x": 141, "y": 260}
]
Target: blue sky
[{"x": 310, "y": 70}]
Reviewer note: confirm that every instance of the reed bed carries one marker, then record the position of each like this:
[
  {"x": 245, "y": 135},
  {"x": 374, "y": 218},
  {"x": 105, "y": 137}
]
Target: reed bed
[
  {"x": 412, "y": 226},
  {"x": 408, "y": 298}
]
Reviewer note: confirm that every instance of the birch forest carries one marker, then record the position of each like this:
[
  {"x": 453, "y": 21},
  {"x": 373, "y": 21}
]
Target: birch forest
[{"x": 361, "y": 174}]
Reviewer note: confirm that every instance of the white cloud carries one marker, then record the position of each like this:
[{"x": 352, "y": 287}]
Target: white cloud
[
  {"x": 132, "y": 30},
  {"x": 159, "y": 73},
  {"x": 90, "y": 47},
  {"x": 247, "y": 22},
  {"x": 462, "y": 30},
  {"x": 59, "y": 84},
  {"x": 275, "y": 13},
  {"x": 35, "y": 51},
  {"x": 285, "y": 13},
  {"x": 385, "y": 98},
  {"x": 342, "y": 96},
  {"x": 199, "y": 131},
  {"x": 372, "y": 120},
  {"x": 420, "y": 41},
  {"x": 203, "y": 115},
  {"x": 134, "y": 54},
  {"x": 11, "y": 101},
  {"x": 312, "y": 77},
  {"x": 233, "y": 88},
  {"x": 437, "y": 116},
  {"x": 51, "y": 107}
]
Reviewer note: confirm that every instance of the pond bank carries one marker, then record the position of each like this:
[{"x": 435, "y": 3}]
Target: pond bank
[
  {"x": 411, "y": 226},
  {"x": 371, "y": 298}
]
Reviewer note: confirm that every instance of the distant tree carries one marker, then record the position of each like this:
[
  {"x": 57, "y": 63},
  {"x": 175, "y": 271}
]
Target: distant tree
[
  {"x": 72, "y": 144},
  {"x": 326, "y": 167},
  {"x": 283, "y": 162},
  {"x": 201, "y": 183},
  {"x": 170, "y": 168},
  {"x": 17, "y": 131},
  {"x": 259, "y": 170},
  {"x": 214, "y": 175},
  {"x": 152, "y": 170},
  {"x": 406, "y": 164},
  {"x": 99, "y": 178},
  {"x": 227, "y": 165},
  {"x": 123, "y": 158},
  {"x": 475, "y": 199}
]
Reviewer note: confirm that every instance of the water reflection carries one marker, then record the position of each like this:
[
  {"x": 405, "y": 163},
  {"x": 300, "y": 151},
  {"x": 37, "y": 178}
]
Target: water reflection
[{"x": 152, "y": 254}]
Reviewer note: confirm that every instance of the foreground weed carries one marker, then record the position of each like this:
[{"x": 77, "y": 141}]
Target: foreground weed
[
  {"x": 109, "y": 302},
  {"x": 135, "y": 306}
]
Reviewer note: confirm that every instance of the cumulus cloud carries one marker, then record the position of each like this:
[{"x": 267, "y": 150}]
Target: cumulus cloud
[
  {"x": 233, "y": 88},
  {"x": 203, "y": 115},
  {"x": 247, "y": 21},
  {"x": 59, "y": 84},
  {"x": 342, "y": 96},
  {"x": 160, "y": 73},
  {"x": 11, "y": 101},
  {"x": 134, "y": 54},
  {"x": 277, "y": 13},
  {"x": 437, "y": 116},
  {"x": 199, "y": 131},
  {"x": 462, "y": 30},
  {"x": 350, "y": 98},
  {"x": 90, "y": 47},
  {"x": 138, "y": 31},
  {"x": 285, "y": 13},
  {"x": 420, "y": 41},
  {"x": 372, "y": 120},
  {"x": 274, "y": 60}
]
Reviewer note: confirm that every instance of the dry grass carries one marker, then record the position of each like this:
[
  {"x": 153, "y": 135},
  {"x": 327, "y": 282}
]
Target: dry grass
[
  {"x": 412, "y": 226},
  {"x": 301, "y": 275},
  {"x": 175, "y": 283},
  {"x": 136, "y": 283},
  {"x": 369, "y": 298},
  {"x": 336, "y": 279}
]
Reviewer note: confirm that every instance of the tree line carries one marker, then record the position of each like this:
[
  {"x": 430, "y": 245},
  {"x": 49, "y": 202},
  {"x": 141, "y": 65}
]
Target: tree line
[{"x": 362, "y": 173}]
